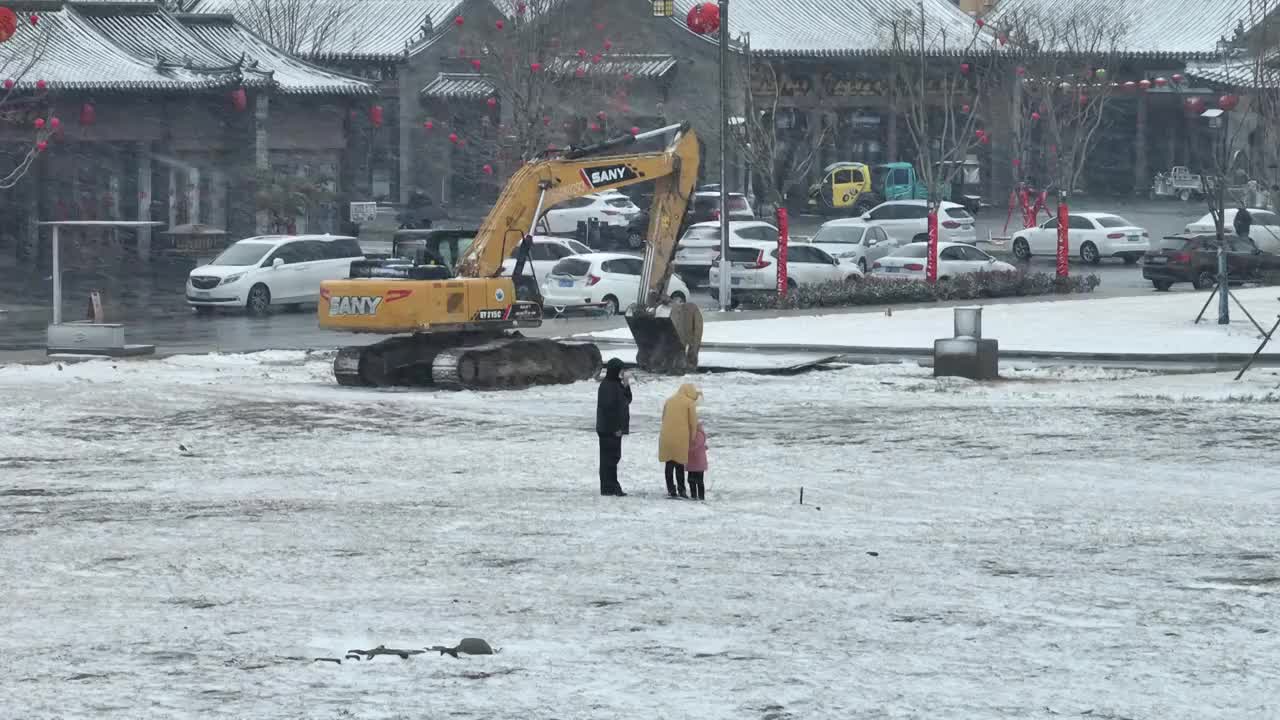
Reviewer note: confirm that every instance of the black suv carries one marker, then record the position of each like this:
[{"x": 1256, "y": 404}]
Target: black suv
[{"x": 1193, "y": 258}]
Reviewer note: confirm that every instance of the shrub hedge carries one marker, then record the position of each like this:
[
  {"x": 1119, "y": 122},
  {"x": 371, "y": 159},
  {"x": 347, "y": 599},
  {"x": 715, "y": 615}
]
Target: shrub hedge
[{"x": 873, "y": 290}]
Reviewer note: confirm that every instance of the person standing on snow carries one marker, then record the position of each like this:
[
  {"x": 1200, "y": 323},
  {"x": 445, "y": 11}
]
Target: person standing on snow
[
  {"x": 613, "y": 420},
  {"x": 679, "y": 423},
  {"x": 697, "y": 465}
]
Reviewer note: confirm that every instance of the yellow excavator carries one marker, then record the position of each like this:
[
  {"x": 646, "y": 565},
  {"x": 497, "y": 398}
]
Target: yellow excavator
[{"x": 459, "y": 327}]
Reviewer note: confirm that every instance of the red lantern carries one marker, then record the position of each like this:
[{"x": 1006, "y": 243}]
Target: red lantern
[
  {"x": 491, "y": 102},
  {"x": 239, "y": 101},
  {"x": 55, "y": 123},
  {"x": 8, "y": 84},
  {"x": 1177, "y": 77},
  {"x": 608, "y": 45},
  {"x": 1084, "y": 99},
  {"x": 41, "y": 85},
  {"x": 981, "y": 23},
  {"x": 601, "y": 115},
  {"x": 1195, "y": 106},
  {"x": 595, "y": 127},
  {"x": 1016, "y": 162},
  {"x": 42, "y": 146},
  {"x": 475, "y": 64},
  {"x": 1228, "y": 102},
  {"x": 1130, "y": 85},
  {"x": 487, "y": 169},
  {"x": 453, "y": 138},
  {"x": 535, "y": 67},
  {"x": 964, "y": 109},
  {"x": 1035, "y": 117},
  {"x": 1161, "y": 82},
  {"x": 375, "y": 115},
  {"x": 458, "y": 21},
  {"x": 498, "y": 24},
  {"x": 39, "y": 123},
  {"x": 1020, "y": 71},
  {"x": 8, "y": 24},
  {"x": 703, "y": 18},
  {"x": 986, "y": 139},
  {"x": 979, "y": 133},
  {"x": 964, "y": 68},
  {"x": 627, "y": 77},
  {"x": 582, "y": 52},
  {"x": 428, "y": 125},
  {"x": 87, "y": 114},
  {"x": 635, "y": 130},
  {"x": 1144, "y": 84},
  {"x": 595, "y": 58}
]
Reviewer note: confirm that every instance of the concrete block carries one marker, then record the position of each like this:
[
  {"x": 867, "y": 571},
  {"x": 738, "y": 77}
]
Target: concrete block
[
  {"x": 85, "y": 338},
  {"x": 966, "y": 357}
]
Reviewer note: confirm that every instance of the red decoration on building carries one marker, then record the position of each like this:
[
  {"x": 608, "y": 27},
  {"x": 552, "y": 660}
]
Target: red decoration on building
[
  {"x": 42, "y": 146},
  {"x": 1144, "y": 84},
  {"x": 981, "y": 23},
  {"x": 487, "y": 169},
  {"x": 535, "y": 67},
  {"x": 703, "y": 18},
  {"x": 375, "y": 116},
  {"x": 453, "y": 138},
  {"x": 964, "y": 68},
  {"x": 1228, "y": 102},
  {"x": 35, "y": 19},
  {"x": 239, "y": 101},
  {"x": 458, "y": 21},
  {"x": 499, "y": 24},
  {"x": 979, "y": 133},
  {"x": 1161, "y": 82},
  {"x": 55, "y": 123},
  {"x": 491, "y": 102},
  {"x": 595, "y": 127},
  {"x": 986, "y": 139},
  {"x": 1177, "y": 77},
  {"x": 1195, "y": 106},
  {"x": 475, "y": 64},
  {"x": 8, "y": 24},
  {"x": 41, "y": 85},
  {"x": 88, "y": 115},
  {"x": 428, "y": 125},
  {"x": 8, "y": 84},
  {"x": 1020, "y": 71},
  {"x": 608, "y": 45},
  {"x": 39, "y": 123},
  {"x": 595, "y": 58},
  {"x": 1035, "y": 117},
  {"x": 964, "y": 109},
  {"x": 1130, "y": 85},
  {"x": 582, "y": 52}
]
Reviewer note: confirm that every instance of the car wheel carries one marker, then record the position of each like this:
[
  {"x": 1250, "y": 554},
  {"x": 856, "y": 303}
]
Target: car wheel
[
  {"x": 259, "y": 300},
  {"x": 1162, "y": 285},
  {"x": 610, "y": 304},
  {"x": 862, "y": 265},
  {"x": 791, "y": 285},
  {"x": 678, "y": 297},
  {"x": 1204, "y": 280},
  {"x": 1089, "y": 253},
  {"x": 1022, "y": 250},
  {"x": 1184, "y": 196},
  {"x": 204, "y": 310},
  {"x": 854, "y": 278},
  {"x": 1130, "y": 259},
  {"x": 635, "y": 239}
]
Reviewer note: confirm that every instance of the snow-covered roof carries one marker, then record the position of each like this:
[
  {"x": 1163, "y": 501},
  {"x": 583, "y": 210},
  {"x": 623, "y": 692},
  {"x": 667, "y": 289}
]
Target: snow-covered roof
[
  {"x": 374, "y": 30},
  {"x": 1236, "y": 73},
  {"x": 637, "y": 65},
  {"x": 146, "y": 32},
  {"x": 831, "y": 28},
  {"x": 1158, "y": 28},
  {"x": 467, "y": 86},
  {"x": 290, "y": 75}
]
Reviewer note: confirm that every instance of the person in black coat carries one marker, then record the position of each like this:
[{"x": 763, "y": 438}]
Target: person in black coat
[
  {"x": 613, "y": 420},
  {"x": 1242, "y": 222}
]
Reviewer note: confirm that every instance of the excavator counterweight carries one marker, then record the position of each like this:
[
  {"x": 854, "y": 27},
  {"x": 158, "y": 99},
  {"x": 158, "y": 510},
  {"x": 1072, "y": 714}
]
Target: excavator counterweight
[{"x": 459, "y": 326}]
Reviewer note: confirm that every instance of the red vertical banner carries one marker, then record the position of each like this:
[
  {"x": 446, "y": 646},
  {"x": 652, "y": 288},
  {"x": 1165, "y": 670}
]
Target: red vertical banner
[
  {"x": 783, "y": 238},
  {"x": 1064, "y": 253},
  {"x": 931, "y": 269}
]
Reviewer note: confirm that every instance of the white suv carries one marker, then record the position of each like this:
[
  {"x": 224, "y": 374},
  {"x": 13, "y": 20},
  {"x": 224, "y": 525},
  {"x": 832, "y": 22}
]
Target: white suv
[
  {"x": 607, "y": 280},
  {"x": 754, "y": 268},
  {"x": 258, "y": 272},
  {"x": 701, "y": 244},
  {"x": 610, "y": 208},
  {"x": 546, "y": 252},
  {"x": 907, "y": 221}
]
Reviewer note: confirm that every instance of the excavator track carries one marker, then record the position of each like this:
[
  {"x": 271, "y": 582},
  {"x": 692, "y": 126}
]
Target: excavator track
[{"x": 478, "y": 361}]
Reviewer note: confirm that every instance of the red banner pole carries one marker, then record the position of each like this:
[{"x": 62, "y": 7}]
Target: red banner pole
[
  {"x": 1064, "y": 254},
  {"x": 931, "y": 270},
  {"x": 783, "y": 239}
]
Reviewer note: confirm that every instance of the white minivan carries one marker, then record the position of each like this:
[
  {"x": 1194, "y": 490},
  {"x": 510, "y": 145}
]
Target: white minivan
[{"x": 258, "y": 272}]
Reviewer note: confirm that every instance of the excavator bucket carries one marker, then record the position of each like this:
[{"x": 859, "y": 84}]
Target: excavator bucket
[{"x": 668, "y": 337}]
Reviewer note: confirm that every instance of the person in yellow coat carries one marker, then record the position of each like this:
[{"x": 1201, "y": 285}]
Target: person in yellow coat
[{"x": 679, "y": 423}]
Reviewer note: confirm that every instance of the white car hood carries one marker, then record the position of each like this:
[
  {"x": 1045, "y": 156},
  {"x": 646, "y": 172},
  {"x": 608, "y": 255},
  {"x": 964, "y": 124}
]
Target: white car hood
[{"x": 220, "y": 271}]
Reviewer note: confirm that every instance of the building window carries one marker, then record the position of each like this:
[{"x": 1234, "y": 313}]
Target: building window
[{"x": 663, "y": 8}]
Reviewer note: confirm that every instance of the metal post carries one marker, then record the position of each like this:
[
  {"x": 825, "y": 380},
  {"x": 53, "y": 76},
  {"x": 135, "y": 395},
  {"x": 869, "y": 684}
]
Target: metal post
[
  {"x": 725, "y": 265},
  {"x": 1224, "y": 307},
  {"x": 57, "y": 281}
]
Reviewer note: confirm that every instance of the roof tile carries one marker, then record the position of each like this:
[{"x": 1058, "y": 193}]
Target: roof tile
[
  {"x": 466, "y": 86},
  {"x": 641, "y": 66}
]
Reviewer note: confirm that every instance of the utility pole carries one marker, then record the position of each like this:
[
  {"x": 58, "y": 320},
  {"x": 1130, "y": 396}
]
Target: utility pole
[
  {"x": 725, "y": 264},
  {"x": 1224, "y": 308}
]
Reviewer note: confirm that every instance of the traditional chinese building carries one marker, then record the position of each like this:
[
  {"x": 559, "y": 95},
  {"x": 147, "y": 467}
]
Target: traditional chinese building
[{"x": 178, "y": 119}]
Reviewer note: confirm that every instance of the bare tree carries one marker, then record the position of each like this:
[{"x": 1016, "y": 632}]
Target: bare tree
[
  {"x": 23, "y": 100},
  {"x": 942, "y": 102},
  {"x": 299, "y": 27},
  {"x": 776, "y": 150}
]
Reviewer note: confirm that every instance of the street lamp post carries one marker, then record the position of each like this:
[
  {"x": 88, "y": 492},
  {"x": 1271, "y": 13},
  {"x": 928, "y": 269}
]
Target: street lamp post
[
  {"x": 725, "y": 264},
  {"x": 1218, "y": 119}
]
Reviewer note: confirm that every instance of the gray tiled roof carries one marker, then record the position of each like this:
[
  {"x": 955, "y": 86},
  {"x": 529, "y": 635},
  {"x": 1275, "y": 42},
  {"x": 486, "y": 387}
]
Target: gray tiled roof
[
  {"x": 1173, "y": 28},
  {"x": 152, "y": 35},
  {"x": 290, "y": 75},
  {"x": 641, "y": 66},
  {"x": 826, "y": 28},
  {"x": 1243, "y": 74},
  {"x": 76, "y": 56},
  {"x": 372, "y": 30},
  {"x": 466, "y": 86}
]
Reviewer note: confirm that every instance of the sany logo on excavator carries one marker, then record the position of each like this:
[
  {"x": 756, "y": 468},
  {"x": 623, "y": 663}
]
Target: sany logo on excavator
[
  {"x": 343, "y": 305},
  {"x": 594, "y": 177}
]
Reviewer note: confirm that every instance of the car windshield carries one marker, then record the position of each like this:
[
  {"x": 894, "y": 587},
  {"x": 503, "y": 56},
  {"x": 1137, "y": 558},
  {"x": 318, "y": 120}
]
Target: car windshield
[
  {"x": 1112, "y": 221},
  {"x": 837, "y": 234},
  {"x": 701, "y": 233},
  {"x": 243, "y": 253},
  {"x": 912, "y": 251},
  {"x": 572, "y": 267}
]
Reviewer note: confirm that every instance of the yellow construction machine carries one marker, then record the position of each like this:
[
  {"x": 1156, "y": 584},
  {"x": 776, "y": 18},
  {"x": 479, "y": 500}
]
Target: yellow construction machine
[{"x": 459, "y": 326}]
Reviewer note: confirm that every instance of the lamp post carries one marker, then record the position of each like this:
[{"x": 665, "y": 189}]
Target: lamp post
[
  {"x": 725, "y": 265},
  {"x": 1219, "y": 120}
]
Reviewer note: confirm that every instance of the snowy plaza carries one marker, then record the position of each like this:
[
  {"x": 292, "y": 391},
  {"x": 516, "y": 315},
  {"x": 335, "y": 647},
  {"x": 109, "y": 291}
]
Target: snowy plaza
[{"x": 183, "y": 537}]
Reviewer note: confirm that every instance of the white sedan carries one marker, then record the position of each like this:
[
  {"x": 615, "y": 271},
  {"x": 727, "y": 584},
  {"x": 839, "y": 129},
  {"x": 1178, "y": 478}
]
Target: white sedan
[
  {"x": 1264, "y": 229},
  {"x": 1090, "y": 236},
  {"x": 852, "y": 242},
  {"x": 607, "y": 280},
  {"x": 754, "y": 268},
  {"x": 610, "y": 208},
  {"x": 546, "y": 252},
  {"x": 908, "y": 262}
]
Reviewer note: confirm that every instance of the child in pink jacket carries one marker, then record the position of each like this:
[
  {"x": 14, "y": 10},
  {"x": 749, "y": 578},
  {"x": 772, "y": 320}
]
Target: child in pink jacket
[{"x": 697, "y": 464}]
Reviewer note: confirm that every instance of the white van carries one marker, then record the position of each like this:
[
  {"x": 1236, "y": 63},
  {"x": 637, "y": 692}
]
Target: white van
[{"x": 258, "y": 272}]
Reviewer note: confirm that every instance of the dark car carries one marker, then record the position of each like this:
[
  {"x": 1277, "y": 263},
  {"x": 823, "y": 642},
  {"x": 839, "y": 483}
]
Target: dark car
[
  {"x": 706, "y": 207},
  {"x": 1193, "y": 258}
]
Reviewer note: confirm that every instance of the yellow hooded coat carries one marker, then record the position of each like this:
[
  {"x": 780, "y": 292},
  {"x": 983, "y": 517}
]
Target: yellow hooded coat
[{"x": 679, "y": 422}]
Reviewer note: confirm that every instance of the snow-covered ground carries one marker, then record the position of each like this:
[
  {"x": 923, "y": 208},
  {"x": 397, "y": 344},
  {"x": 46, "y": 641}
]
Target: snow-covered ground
[
  {"x": 1059, "y": 544},
  {"x": 1155, "y": 323}
]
